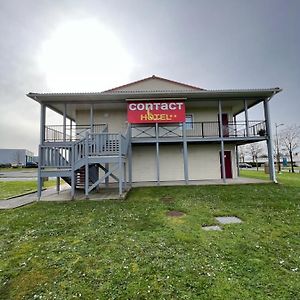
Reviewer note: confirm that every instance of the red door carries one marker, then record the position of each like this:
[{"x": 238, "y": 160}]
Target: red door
[{"x": 227, "y": 159}]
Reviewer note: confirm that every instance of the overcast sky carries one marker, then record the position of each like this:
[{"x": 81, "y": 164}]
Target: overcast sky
[{"x": 95, "y": 45}]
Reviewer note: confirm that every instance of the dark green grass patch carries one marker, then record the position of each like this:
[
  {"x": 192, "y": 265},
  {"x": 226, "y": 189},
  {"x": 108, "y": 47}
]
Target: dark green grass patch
[{"x": 132, "y": 250}]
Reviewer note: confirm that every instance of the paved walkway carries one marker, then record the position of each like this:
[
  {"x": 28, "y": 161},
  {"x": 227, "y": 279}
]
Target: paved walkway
[
  {"x": 15, "y": 202},
  {"x": 239, "y": 180},
  {"x": 51, "y": 194},
  {"x": 110, "y": 193}
]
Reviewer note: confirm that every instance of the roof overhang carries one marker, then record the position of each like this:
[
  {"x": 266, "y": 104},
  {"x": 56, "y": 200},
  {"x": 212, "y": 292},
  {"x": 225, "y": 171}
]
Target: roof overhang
[{"x": 55, "y": 101}]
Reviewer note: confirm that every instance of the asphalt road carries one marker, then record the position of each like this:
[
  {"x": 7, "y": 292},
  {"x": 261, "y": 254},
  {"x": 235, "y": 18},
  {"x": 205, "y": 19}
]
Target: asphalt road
[{"x": 19, "y": 175}]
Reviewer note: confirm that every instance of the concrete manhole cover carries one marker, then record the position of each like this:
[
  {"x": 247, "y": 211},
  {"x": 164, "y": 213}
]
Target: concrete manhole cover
[
  {"x": 175, "y": 213},
  {"x": 228, "y": 220},
  {"x": 212, "y": 228}
]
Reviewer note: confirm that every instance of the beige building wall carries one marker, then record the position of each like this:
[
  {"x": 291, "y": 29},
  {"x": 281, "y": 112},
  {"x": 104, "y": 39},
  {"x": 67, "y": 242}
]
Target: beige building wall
[
  {"x": 116, "y": 119},
  {"x": 171, "y": 162},
  {"x": 203, "y": 162},
  {"x": 203, "y": 114},
  {"x": 143, "y": 163}
]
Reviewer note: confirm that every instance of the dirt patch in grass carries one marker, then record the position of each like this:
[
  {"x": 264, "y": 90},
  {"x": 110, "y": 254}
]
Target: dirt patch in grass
[
  {"x": 175, "y": 213},
  {"x": 167, "y": 199}
]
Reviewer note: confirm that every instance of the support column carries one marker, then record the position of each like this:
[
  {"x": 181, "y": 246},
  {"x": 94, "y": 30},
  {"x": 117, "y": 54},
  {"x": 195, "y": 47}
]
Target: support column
[
  {"x": 222, "y": 142},
  {"x": 57, "y": 185},
  {"x": 39, "y": 178},
  {"x": 246, "y": 117},
  {"x": 42, "y": 139},
  {"x": 125, "y": 177},
  {"x": 73, "y": 179},
  {"x": 157, "y": 155},
  {"x": 237, "y": 160},
  {"x": 92, "y": 118},
  {"x": 130, "y": 157},
  {"x": 120, "y": 169},
  {"x": 86, "y": 182},
  {"x": 42, "y": 123},
  {"x": 185, "y": 154},
  {"x": 269, "y": 141},
  {"x": 106, "y": 178},
  {"x": 65, "y": 122},
  {"x": 73, "y": 185}
]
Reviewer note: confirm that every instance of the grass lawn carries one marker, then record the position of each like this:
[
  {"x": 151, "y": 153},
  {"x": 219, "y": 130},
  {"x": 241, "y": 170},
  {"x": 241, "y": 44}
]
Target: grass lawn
[
  {"x": 13, "y": 188},
  {"x": 288, "y": 179},
  {"x": 11, "y": 169},
  {"x": 131, "y": 250}
]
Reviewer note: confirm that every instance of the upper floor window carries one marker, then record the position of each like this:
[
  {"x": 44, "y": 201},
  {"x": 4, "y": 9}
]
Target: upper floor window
[{"x": 188, "y": 121}]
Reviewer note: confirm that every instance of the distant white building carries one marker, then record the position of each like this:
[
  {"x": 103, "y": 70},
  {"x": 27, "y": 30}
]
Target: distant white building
[{"x": 15, "y": 156}]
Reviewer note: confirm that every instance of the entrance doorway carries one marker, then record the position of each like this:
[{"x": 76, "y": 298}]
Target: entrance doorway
[{"x": 228, "y": 168}]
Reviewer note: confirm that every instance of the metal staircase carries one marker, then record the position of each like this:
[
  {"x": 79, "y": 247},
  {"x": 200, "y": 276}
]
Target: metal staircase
[{"x": 79, "y": 162}]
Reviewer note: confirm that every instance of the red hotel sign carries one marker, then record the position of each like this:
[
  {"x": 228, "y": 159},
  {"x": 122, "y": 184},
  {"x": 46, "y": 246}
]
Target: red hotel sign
[{"x": 155, "y": 111}]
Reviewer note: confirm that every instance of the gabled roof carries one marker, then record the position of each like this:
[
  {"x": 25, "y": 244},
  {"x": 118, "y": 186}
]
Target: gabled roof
[{"x": 154, "y": 83}]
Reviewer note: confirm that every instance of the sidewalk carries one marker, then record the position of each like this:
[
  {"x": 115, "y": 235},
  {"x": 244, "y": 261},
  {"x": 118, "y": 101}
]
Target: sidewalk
[
  {"x": 27, "y": 199},
  {"x": 50, "y": 194}
]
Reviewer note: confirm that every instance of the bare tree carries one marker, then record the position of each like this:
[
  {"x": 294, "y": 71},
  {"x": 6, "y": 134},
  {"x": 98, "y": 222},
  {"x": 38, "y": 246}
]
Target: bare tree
[
  {"x": 290, "y": 141},
  {"x": 255, "y": 150},
  {"x": 242, "y": 153}
]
